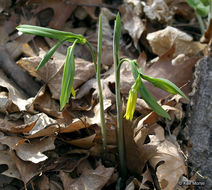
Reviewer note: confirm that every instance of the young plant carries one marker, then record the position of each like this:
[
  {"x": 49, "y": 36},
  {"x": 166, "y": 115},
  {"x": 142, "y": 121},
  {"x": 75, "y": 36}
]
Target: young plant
[
  {"x": 137, "y": 87},
  {"x": 202, "y": 8},
  {"x": 69, "y": 66}
]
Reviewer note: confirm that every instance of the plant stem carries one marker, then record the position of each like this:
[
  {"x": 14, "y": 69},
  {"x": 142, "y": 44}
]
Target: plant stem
[
  {"x": 97, "y": 66},
  {"x": 202, "y": 27},
  {"x": 99, "y": 52},
  {"x": 210, "y": 13},
  {"x": 116, "y": 41}
]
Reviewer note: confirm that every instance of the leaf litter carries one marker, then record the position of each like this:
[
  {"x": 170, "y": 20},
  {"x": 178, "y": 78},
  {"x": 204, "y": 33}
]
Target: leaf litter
[{"x": 51, "y": 149}]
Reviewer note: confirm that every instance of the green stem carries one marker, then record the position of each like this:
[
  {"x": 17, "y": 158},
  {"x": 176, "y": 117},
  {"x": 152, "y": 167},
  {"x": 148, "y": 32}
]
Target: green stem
[
  {"x": 210, "y": 13},
  {"x": 99, "y": 52},
  {"x": 202, "y": 27},
  {"x": 116, "y": 41},
  {"x": 97, "y": 66}
]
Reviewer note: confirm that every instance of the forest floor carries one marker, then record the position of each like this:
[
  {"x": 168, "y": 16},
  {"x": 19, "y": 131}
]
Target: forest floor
[{"x": 42, "y": 147}]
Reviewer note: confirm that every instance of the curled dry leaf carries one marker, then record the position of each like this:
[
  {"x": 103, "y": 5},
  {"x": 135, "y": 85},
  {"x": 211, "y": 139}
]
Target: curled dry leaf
[
  {"x": 52, "y": 72},
  {"x": 85, "y": 142},
  {"x": 171, "y": 166},
  {"x": 89, "y": 180},
  {"x": 29, "y": 151},
  {"x": 12, "y": 127},
  {"x": 42, "y": 121}
]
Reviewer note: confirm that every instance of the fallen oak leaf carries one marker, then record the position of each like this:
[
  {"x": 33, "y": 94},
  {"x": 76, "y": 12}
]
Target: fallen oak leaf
[
  {"x": 29, "y": 151},
  {"x": 89, "y": 180},
  {"x": 167, "y": 161}
]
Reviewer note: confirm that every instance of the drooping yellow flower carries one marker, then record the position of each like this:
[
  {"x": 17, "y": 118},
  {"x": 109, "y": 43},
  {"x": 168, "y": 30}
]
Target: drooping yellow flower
[{"x": 131, "y": 103}]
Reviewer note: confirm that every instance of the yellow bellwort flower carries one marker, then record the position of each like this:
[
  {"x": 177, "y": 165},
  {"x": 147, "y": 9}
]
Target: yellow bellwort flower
[{"x": 131, "y": 103}]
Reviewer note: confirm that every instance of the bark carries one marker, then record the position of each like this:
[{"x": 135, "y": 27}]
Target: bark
[{"x": 200, "y": 123}]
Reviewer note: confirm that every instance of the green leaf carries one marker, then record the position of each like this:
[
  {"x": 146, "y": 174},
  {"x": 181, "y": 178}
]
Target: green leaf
[
  {"x": 68, "y": 76},
  {"x": 116, "y": 39},
  {"x": 165, "y": 85},
  {"x": 202, "y": 10},
  {"x": 193, "y": 3},
  {"x": 148, "y": 98},
  {"x": 49, "y": 54},
  {"x": 51, "y": 33},
  {"x": 205, "y": 2},
  {"x": 145, "y": 94}
]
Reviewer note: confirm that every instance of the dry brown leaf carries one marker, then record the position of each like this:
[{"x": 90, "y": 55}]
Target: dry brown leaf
[
  {"x": 180, "y": 75},
  {"x": 27, "y": 170},
  {"x": 134, "y": 156},
  {"x": 42, "y": 121},
  {"x": 161, "y": 41},
  {"x": 85, "y": 142},
  {"x": 68, "y": 7},
  {"x": 44, "y": 103},
  {"x": 29, "y": 151},
  {"x": 52, "y": 72},
  {"x": 12, "y": 127},
  {"x": 158, "y": 11},
  {"x": 15, "y": 95},
  {"x": 132, "y": 23},
  {"x": 89, "y": 180},
  {"x": 207, "y": 37},
  {"x": 58, "y": 19},
  {"x": 172, "y": 165},
  {"x": 43, "y": 183},
  {"x": 12, "y": 169}
]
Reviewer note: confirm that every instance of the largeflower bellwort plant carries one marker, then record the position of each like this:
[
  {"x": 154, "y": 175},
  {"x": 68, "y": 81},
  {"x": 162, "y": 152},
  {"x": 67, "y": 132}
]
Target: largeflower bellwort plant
[{"x": 137, "y": 87}]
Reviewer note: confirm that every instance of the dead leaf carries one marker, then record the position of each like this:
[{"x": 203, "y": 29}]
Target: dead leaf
[
  {"x": 172, "y": 165},
  {"x": 43, "y": 183},
  {"x": 52, "y": 72},
  {"x": 12, "y": 127},
  {"x": 85, "y": 142},
  {"x": 132, "y": 23},
  {"x": 89, "y": 180},
  {"x": 44, "y": 103},
  {"x": 15, "y": 95},
  {"x": 42, "y": 121},
  {"x": 158, "y": 11},
  {"x": 180, "y": 75},
  {"x": 27, "y": 170},
  {"x": 161, "y": 41},
  {"x": 58, "y": 19},
  {"x": 207, "y": 37},
  {"x": 12, "y": 169},
  {"x": 29, "y": 151}
]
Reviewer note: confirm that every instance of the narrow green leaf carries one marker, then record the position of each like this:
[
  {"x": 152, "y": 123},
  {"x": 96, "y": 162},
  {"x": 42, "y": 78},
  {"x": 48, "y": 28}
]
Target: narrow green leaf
[
  {"x": 145, "y": 94},
  {"x": 49, "y": 54},
  {"x": 165, "y": 85},
  {"x": 51, "y": 33},
  {"x": 116, "y": 39},
  {"x": 148, "y": 98},
  {"x": 68, "y": 76}
]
